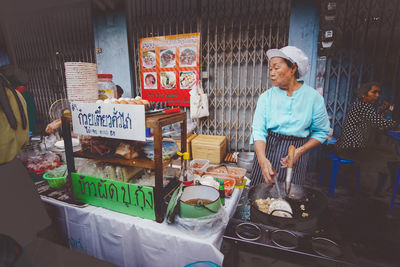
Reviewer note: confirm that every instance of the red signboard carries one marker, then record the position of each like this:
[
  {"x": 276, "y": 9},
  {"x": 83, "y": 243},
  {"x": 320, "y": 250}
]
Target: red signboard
[{"x": 170, "y": 67}]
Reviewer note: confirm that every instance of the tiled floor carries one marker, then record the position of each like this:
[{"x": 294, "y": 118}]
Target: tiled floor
[{"x": 363, "y": 222}]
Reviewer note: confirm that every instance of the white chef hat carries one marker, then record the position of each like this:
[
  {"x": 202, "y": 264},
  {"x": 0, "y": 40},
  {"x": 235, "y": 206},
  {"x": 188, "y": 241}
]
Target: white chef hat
[{"x": 294, "y": 55}]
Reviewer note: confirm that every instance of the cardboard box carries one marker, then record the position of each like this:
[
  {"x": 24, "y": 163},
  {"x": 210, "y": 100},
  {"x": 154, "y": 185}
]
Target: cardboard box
[{"x": 211, "y": 147}]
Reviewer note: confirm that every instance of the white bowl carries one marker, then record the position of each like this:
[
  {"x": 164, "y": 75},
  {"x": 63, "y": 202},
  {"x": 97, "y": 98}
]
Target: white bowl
[{"x": 60, "y": 144}]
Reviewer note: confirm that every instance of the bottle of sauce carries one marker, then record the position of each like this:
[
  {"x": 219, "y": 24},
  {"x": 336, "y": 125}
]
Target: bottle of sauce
[
  {"x": 184, "y": 166},
  {"x": 222, "y": 192}
]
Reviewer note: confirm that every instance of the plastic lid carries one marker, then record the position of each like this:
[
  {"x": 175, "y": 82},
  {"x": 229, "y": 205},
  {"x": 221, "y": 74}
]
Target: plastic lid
[{"x": 104, "y": 76}]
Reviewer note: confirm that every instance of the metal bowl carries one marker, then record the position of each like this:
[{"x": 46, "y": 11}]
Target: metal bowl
[{"x": 245, "y": 160}]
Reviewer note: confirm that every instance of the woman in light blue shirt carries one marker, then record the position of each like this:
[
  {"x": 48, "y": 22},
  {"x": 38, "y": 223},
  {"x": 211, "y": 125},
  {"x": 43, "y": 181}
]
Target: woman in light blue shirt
[{"x": 290, "y": 113}]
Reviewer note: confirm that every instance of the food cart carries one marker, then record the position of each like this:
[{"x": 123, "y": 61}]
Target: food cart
[{"x": 158, "y": 164}]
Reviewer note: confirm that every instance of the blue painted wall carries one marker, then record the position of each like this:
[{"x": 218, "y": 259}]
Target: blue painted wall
[
  {"x": 303, "y": 33},
  {"x": 111, "y": 36}
]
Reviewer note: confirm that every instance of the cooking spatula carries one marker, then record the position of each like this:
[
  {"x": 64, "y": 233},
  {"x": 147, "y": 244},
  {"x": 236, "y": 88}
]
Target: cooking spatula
[
  {"x": 289, "y": 170},
  {"x": 280, "y": 206}
]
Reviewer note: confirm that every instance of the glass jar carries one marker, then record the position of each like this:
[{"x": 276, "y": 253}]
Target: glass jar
[{"x": 107, "y": 89}]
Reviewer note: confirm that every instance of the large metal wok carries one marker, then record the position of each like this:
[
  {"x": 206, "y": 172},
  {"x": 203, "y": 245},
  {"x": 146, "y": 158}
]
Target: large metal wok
[{"x": 314, "y": 203}]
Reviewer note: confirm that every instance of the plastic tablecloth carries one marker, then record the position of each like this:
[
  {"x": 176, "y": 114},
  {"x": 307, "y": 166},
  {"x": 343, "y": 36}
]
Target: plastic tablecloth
[{"x": 125, "y": 240}]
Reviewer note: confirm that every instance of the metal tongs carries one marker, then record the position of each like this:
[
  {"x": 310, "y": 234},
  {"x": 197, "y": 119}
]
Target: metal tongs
[{"x": 289, "y": 170}]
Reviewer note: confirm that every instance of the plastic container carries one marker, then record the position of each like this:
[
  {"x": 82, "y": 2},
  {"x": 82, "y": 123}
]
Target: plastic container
[
  {"x": 107, "y": 89},
  {"x": 229, "y": 185},
  {"x": 227, "y": 172},
  {"x": 199, "y": 166},
  {"x": 148, "y": 132},
  {"x": 56, "y": 182}
]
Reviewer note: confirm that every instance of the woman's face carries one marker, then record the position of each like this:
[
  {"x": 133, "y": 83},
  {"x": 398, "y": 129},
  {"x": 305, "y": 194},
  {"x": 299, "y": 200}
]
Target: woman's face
[
  {"x": 280, "y": 73},
  {"x": 373, "y": 95}
]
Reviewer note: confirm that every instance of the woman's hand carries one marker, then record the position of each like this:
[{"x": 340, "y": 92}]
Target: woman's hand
[
  {"x": 268, "y": 171},
  {"x": 297, "y": 154}
]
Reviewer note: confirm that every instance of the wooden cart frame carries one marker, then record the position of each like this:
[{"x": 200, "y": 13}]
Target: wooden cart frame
[{"x": 156, "y": 123}]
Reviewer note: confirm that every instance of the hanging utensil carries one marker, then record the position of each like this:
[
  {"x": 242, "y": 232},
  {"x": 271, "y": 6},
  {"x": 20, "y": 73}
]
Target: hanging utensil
[{"x": 289, "y": 169}]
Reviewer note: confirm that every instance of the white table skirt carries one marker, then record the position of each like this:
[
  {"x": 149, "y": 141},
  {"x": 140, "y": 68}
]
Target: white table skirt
[{"x": 125, "y": 240}]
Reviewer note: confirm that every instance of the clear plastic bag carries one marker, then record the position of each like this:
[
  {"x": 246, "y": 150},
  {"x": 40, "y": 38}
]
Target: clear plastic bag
[
  {"x": 50, "y": 141},
  {"x": 109, "y": 172},
  {"x": 203, "y": 226},
  {"x": 87, "y": 167},
  {"x": 169, "y": 149},
  {"x": 58, "y": 172},
  {"x": 39, "y": 161}
]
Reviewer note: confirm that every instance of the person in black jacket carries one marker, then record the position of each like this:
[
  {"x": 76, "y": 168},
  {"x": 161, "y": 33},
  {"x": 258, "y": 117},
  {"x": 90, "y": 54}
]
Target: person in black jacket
[{"x": 353, "y": 142}]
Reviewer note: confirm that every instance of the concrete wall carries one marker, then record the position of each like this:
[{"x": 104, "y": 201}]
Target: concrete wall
[
  {"x": 303, "y": 33},
  {"x": 4, "y": 58},
  {"x": 111, "y": 36}
]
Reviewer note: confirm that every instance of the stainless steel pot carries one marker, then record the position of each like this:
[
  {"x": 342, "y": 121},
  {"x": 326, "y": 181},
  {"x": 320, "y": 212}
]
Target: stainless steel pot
[{"x": 245, "y": 160}]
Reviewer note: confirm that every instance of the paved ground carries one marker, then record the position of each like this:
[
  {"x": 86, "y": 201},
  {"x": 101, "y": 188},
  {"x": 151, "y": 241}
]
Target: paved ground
[{"x": 364, "y": 223}]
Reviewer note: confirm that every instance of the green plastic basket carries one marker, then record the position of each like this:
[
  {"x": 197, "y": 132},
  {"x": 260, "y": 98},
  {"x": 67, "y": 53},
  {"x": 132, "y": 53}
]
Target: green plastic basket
[{"x": 56, "y": 182}]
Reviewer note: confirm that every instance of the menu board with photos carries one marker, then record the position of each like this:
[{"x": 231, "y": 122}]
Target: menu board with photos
[{"x": 170, "y": 67}]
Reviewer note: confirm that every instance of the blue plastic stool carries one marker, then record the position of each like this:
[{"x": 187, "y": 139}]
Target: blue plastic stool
[
  {"x": 393, "y": 202},
  {"x": 337, "y": 163}
]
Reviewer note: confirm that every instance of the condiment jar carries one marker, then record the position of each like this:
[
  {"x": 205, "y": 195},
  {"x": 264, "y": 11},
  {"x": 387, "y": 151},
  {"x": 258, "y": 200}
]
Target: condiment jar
[{"x": 107, "y": 89}]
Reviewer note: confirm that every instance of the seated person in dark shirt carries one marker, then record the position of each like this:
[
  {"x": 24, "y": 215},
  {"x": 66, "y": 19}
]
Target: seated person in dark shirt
[{"x": 360, "y": 123}]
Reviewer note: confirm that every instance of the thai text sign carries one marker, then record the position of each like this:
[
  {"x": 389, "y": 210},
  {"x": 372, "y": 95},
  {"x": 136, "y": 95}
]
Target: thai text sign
[
  {"x": 170, "y": 68},
  {"x": 123, "y": 197},
  {"x": 109, "y": 120}
]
